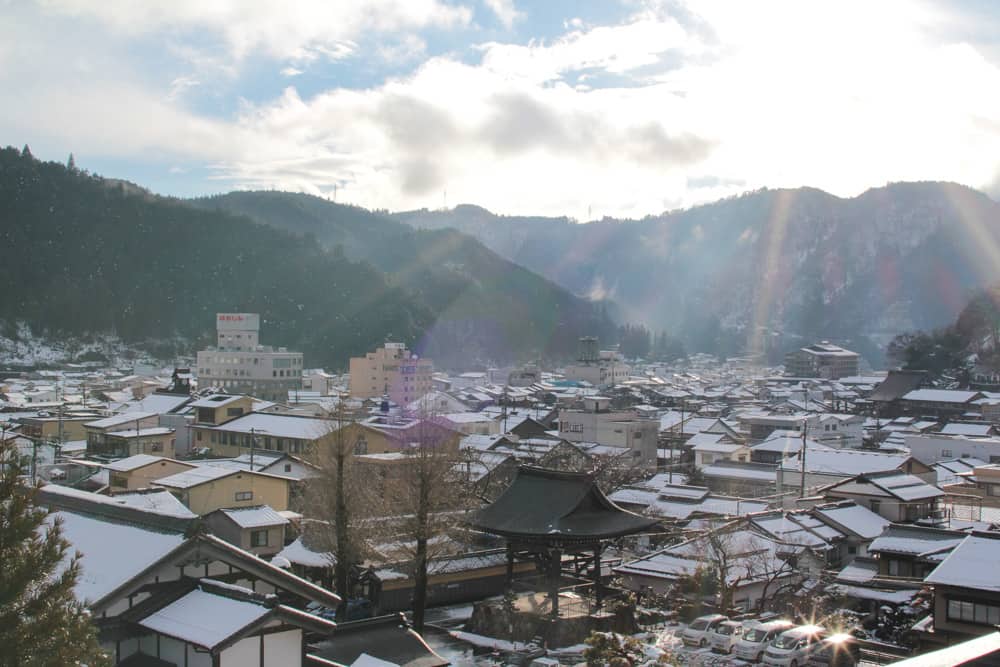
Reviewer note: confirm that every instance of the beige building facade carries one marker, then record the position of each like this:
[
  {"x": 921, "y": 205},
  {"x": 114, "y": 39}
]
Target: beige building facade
[{"x": 392, "y": 370}]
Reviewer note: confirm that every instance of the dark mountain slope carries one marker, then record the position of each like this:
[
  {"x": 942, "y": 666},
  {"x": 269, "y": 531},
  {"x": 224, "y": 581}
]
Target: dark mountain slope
[
  {"x": 470, "y": 288},
  {"x": 770, "y": 267},
  {"x": 82, "y": 254}
]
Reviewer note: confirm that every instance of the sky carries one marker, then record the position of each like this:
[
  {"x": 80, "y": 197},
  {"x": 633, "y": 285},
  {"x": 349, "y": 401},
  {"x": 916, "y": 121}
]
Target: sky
[{"x": 552, "y": 107}]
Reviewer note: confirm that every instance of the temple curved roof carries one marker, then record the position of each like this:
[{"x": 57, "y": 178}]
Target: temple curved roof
[{"x": 557, "y": 507}]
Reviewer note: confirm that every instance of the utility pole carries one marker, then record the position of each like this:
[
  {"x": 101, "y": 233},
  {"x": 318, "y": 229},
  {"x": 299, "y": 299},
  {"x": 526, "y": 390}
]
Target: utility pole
[
  {"x": 253, "y": 444},
  {"x": 802, "y": 482}
]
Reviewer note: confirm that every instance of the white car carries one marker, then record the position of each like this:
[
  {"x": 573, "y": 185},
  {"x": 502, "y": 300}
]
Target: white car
[
  {"x": 696, "y": 634},
  {"x": 792, "y": 648},
  {"x": 755, "y": 639},
  {"x": 724, "y": 636}
]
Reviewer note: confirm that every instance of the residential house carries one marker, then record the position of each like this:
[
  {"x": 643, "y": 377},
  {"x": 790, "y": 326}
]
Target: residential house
[
  {"x": 893, "y": 494},
  {"x": 258, "y": 529},
  {"x": 208, "y": 488},
  {"x": 104, "y": 436},
  {"x": 158, "y": 597},
  {"x": 966, "y": 588},
  {"x": 141, "y": 470}
]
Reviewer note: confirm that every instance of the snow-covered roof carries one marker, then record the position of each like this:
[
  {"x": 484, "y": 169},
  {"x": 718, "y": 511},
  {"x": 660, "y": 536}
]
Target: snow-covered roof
[
  {"x": 158, "y": 403},
  {"x": 134, "y": 462},
  {"x": 118, "y": 420},
  {"x": 848, "y": 463},
  {"x": 971, "y": 564},
  {"x": 255, "y": 517},
  {"x": 276, "y": 426},
  {"x": 940, "y": 395},
  {"x": 746, "y": 471},
  {"x": 195, "y": 476},
  {"x": 155, "y": 502},
  {"x": 916, "y": 541},
  {"x": 216, "y": 400},
  {"x": 142, "y": 432},
  {"x": 111, "y": 553},
  {"x": 969, "y": 430},
  {"x": 203, "y": 618},
  {"x": 298, "y": 553},
  {"x": 857, "y": 519}
]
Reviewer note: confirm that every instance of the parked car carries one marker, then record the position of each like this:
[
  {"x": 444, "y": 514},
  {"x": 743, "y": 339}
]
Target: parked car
[
  {"x": 755, "y": 639},
  {"x": 696, "y": 634},
  {"x": 792, "y": 648},
  {"x": 839, "y": 650},
  {"x": 724, "y": 636}
]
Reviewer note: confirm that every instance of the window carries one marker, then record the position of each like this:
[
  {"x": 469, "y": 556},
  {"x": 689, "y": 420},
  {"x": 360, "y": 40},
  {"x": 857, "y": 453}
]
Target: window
[
  {"x": 361, "y": 446},
  {"x": 979, "y": 613},
  {"x": 946, "y": 453},
  {"x": 875, "y": 505},
  {"x": 288, "y": 467},
  {"x": 244, "y": 495},
  {"x": 258, "y": 538}
]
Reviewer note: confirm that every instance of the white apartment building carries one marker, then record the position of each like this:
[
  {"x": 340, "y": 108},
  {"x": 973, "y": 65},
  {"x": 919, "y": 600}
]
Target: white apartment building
[
  {"x": 239, "y": 364},
  {"x": 607, "y": 370}
]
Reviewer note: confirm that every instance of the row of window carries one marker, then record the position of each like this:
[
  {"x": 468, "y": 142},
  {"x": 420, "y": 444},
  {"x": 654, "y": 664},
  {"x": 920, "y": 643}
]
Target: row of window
[
  {"x": 280, "y": 362},
  {"x": 292, "y": 445},
  {"x": 979, "y": 613}
]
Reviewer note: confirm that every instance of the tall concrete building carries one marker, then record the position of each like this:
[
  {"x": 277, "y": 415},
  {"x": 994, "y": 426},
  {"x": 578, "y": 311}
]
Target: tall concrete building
[
  {"x": 391, "y": 370},
  {"x": 239, "y": 364},
  {"x": 821, "y": 360},
  {"x": 601, "y": 368}
]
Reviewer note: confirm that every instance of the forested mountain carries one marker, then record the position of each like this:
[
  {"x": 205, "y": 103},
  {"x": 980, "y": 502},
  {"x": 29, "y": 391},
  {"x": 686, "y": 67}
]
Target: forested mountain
[
  {"x": 769, "y": 268},
  {"x": 82, "y": 254},
  {"x": 489, "y": 306}
]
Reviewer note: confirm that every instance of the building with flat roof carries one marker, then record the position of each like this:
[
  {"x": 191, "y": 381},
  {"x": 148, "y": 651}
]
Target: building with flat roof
[
  {"x": 391, "y": 370},
  {"x": 241, "y": 365},
  {"x": 821, "y": 360}
]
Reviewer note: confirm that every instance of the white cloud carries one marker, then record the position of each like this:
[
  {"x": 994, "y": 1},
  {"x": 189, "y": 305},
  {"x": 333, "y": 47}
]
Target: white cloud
[
  {"x": 505, "y": 11},
  {"x": 676, "y": 108},
  {"x": 284, "y": 30}
]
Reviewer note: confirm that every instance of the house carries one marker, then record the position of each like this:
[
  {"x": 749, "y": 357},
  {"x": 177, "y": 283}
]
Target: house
[
  {"x": 858, "y": 524},
  {"x": 983, "y": 482},
  {"x": 933, "y": 447},
  {"x": 682, "y": 503},
  {"x": 895, "y": 495},
  {"x": 141, "y": 470},
  {"x": 469, "y": 423},
  {"x": 966, "y": 588},
  {"x": 887, "y": 396},
  {"x": 912, "y": 552},
  {"x": 383, "y": 641},
  {"x": 740, "y": 479},
  {"x": 241, "y": 433},
  {"x": 781, "y": 444},
  {"x": 827, "y": 467},
  {"x": 711, "y": 448},
  {"x": 100, "y": 444},
  {"x": 205, "y": 489},
  {"x": 259, "y": 529},
  {"x": 941, "y": 402},
  {"x": 754, "y": 568},
  {"x": 158, "y": 597},
  {"x": 158, "y": 441}
]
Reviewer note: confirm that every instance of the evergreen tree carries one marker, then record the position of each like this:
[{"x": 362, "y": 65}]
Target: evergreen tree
[
  {"x": 41, "y": 621},
  {"x": 71, "y": 163}
]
